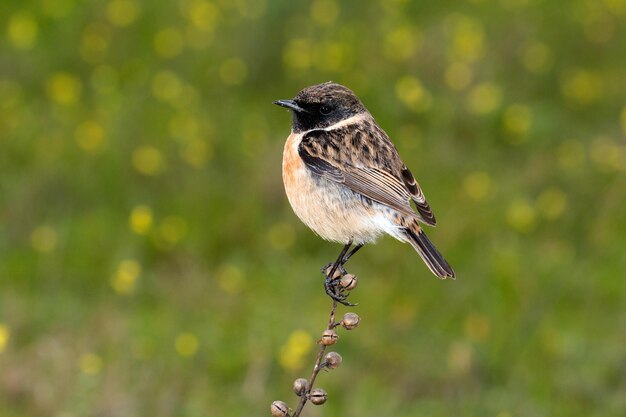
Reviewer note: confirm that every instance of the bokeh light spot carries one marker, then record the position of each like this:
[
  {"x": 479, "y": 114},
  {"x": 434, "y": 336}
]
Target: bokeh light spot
[
  {"x": 89, "y": 136},
  {"x": 413, "y": 94},
  {"x": 22, "y": 31},
  {"x": 203, "y": 15},
  {"x": 95, "y": 42},
  {"x": 477, "y": 185},
  {"x": 172, "y": 229},
  {"x": 230, "y": 278},
  {"x": 477, "y": 327},
  {"x": 186, "y": 344},
  {"x": 168, "y": 42},
  {"x": 196, "y": 152},
  {"x": 124, "y": 280},
  {"x": 460, "y": 358},
  {"x": 64, "y": 88},
  {"x": 295, "y": 350},
  {"x": 517, "y": 121},
  {"x": 468, "y": 38},
  {"x": 5, "y": 333},
  {"x": 484, "y": 98},
  {"x": 166, "y": 86},
  {"x": 281, "y": 236},
  {"x": 458, "y": 76},
  {"x": 552, "y": 203},
  {"x": 91, "y": 364},
  {"x": 324, "y": 12},
  {"x": 521, "y": 216},
  {"x": 403, "y": 42},
  {"x": 608, "y": 155},
  {"x": 581, "y": 87},
  {"x": 122, "y": 12},
  {"x": 148, "y": 160},
  {"x": 141, "y": 219},
  {"x": 233, "y": 71},
  {"x": 536, "y": 57},
  {"x": 44, "y": 239},
  {"x": 298, "y": 54}
]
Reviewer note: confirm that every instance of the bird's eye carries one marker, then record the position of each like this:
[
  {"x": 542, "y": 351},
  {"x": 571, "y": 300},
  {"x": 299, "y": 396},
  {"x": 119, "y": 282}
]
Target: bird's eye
[{"x": 325, "y": 110}]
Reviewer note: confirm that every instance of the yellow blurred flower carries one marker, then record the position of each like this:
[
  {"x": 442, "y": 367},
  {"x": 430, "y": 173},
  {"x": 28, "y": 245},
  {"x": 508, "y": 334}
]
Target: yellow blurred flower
[
  {"x": 91, "y": 364},
  {"x": 203, "y": 15},
  {"x": 22, "y": 31},
  {"x": 141, "y": 219},
  {"x": 186, "y": 344},
  {"x": 402, "y": 42},
  {"x": 581, "y": 87},
  {"x": 90, "y": 136},
  {"x": 168, "y": 42},
  {"x": 166, "y": 85},
  {"x": 281, "y": 236},
  {"x": 608, "y": 155},
  {"x": 196, "y": 152},
  {"x": 324, "y": 12},
  {"x": 230, "y": 278},
  {"x": 468, "y": 39},
  {"x": 124, "y": 280},
  {"x": 94, "y": 42},
  {"x": 617, "y": 7},
  {"x": 44, "y": 239},
  {"x": 517, "y": 121},
  {"x": 295, "y": 350},
  {"x": 458, "y": 76},
  {"x": 536, "y": 57},
  {"x": 233, "y": 71},
  {"x": 484, "y": 98},
  {"x": 521, "y": 216},
  {"x": 122, "y": 12},
  {"x": 5, "y": 333},
  {"x": 172, "y": 229},
  {"x": 552, "y": 203},
  {"x": 413, "y": 94},
  {"x": 460, "y": 358},
  {"x": 148, "y": 160},
  {"x": 333, "y": 56},
  {"x": 477, "y": 327},
  {"x": 477, "y": 185},
  {"x": 298, "y": 54},
  {"x": 64, "y": 88}
]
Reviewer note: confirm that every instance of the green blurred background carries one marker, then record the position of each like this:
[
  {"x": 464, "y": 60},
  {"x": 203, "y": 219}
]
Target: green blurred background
[{"x": 150, "y": 263}]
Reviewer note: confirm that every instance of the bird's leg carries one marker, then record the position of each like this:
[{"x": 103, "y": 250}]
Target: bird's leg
[
  {"x": 352, "y": 252},
  {"x": 330, "y": 284}
]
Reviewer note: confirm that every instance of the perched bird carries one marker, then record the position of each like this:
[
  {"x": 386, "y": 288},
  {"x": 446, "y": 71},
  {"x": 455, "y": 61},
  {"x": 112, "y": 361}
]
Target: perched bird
[{"x": 345, "y": 180}]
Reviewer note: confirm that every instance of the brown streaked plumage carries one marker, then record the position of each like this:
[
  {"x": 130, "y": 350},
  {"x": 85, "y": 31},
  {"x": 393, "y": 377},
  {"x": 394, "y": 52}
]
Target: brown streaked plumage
[{"x": 345, "y": 180}]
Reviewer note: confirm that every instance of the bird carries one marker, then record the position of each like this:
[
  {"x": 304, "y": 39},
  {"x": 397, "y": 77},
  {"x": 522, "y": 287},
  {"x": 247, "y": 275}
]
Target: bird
[{"x": 345, "y": 180}]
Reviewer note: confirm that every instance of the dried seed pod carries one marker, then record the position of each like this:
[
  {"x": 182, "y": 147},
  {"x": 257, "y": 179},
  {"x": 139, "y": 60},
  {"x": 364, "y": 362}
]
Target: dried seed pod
[
  {"x": 348, "y": 282},
  {"x": 329, "y": 337},
  {"x": 350, "y": 321},
  {"x": 336, "y": 274},
  {"x": 332, "y": 360},
  {"x": 299, "y": 386},
  {"x": 280, "y": 409},
  {"x": 318, "y": 396}
]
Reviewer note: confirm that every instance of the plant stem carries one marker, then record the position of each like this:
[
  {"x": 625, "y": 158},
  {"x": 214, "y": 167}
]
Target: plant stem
[{"x": 317, "y": 367}]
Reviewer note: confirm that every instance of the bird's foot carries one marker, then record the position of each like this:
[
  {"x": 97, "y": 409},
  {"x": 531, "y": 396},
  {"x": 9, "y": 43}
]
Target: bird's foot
[{"x": 332, "y": 285}]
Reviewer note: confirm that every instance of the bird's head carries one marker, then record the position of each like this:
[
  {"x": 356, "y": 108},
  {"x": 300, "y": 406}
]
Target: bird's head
[{"x": 322, "y": 105}]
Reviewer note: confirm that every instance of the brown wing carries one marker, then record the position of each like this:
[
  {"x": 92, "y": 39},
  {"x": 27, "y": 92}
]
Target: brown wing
[{"x": 366, "y": 164}]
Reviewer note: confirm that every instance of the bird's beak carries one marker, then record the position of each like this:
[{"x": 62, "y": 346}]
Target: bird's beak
[{"x": 290, "y": 104}]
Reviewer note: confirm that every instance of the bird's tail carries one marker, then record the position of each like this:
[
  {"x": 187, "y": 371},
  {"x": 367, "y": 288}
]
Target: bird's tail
[{"x": 428, "y": 252}]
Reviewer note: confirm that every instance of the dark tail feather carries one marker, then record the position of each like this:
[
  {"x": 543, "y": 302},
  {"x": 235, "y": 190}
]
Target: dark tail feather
[{"x": 429, "y": 253}]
